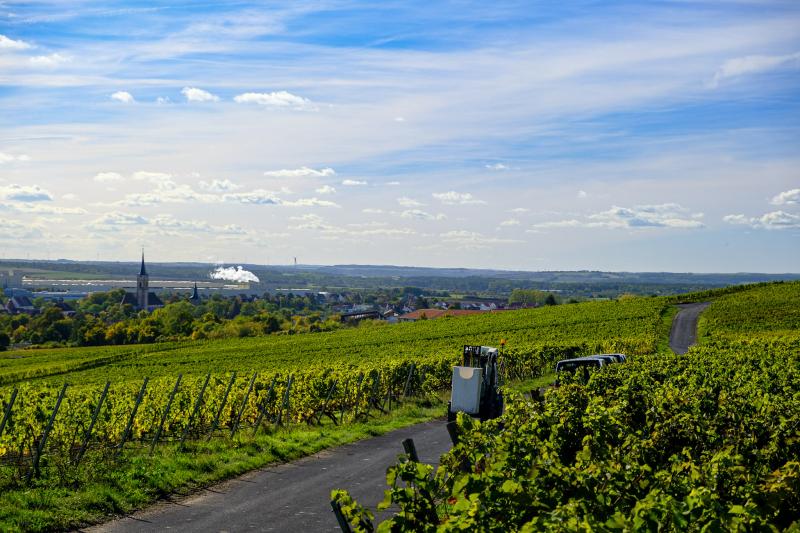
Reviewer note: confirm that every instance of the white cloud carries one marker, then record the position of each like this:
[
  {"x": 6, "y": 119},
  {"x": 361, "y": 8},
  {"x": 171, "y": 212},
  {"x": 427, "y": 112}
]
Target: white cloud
[
  {"x": 123, "y": 96},
  {"x": 10, "y": 158},
  {"x": 773, "y": 220},
  {"x": 399, "y": 119},
  {"x": 302, "y": 172},
  {"x": 161, "y": 180},
  {"x": 193, "y": 94},
  {"x": 372, "y": 211},
  {"x": 753, "y": 64},
  {"x": 172, "y": 224},
  {"x": 11, "y": 44},
  {"x": 510, "y": 222},
  {"x": 326, "y": 189},
  {"x": 454, "y": 198},
  {"x": 393, "y": 183},
  {"x": 42, "y": 209},
  {"x": 667, "y": 215},
  {"x": 109, "y": 221},
  {"x": 280, "y": 99},
  {"x": 24, "y": 193},
  {"x": 497, "y": 166},
  {"x": 405, "y": 201},
  {"x": 237, "y": 274},
  {"x": 520, "y": 210},
  {"x": 105, "y": 177},
  {"x": 161, "y": 100},
  {"x": 353, "y": 183},
  {"x": 14, "y": 231},
  {"x": 49, "y": 61},
  {"x": 582, "y": 194},
  {"x": 225, "y": 185},
  {"x": 418, "y": 214},
  {"x": 790, "y": 197},
  {"x": 258, "y": 197},
  {"x": 309, "y": 202}
]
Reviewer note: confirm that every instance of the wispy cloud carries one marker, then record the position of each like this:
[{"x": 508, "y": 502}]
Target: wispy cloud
[
  {"x": 302, "y": 172},
  {"x": 405, "y": 201},
  {"x": 776, "y": 220},
  {"x": 107, "y": 177},
  {"x": 353, "y": 183},
  {"x": 667, "y": 215},
  {"x": 418, "y": 214},
  {"x": 754, "y": 64},
  {"x": 224, "y": 185},
  {"x": 11, "y": 158}
]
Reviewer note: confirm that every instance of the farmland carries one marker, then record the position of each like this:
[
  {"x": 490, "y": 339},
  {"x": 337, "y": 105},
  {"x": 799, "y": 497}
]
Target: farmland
[{"x": 707, "y": 440}]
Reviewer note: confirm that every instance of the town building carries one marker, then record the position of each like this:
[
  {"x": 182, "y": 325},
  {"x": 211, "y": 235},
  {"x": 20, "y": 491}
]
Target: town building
[{"x": 142, "y": 299}]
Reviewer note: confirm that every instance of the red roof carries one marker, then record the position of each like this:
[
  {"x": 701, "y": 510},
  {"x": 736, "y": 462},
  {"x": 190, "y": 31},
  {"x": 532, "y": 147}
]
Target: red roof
[{"x": 436, "y": 313}]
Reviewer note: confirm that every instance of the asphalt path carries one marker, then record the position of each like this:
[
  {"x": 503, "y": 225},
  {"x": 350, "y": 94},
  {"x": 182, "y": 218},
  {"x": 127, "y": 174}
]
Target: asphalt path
[
  {"x": 292, "y": 497},
  {"x": 684, "y": 327}
]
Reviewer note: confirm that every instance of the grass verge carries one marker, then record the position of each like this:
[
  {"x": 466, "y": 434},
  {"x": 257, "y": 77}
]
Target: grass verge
[
  {"x": 664, "y": 329},
  {"x": 103, "y": 489}
]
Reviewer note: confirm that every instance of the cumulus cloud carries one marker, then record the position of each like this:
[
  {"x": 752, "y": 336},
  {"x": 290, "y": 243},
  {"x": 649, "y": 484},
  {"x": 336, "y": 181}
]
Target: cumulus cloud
[
  {"x": 257, "y": 196},
  {"x": 10, "y": 158},
  {"x": 668, "y": 215},
  {"x": 24, "y": 193},
  {"x": 109, "y": 221},
  {"x": 790, "y": 197},
  {"x": 772, "y": 221},
  {"x": 456, "y": 198},
  {"x": 11, "y": 44},
  {"x": 753, "y": 64},
  {"x": 105, "y": 177},
  {"x": 224, "y": 185},
  {"x": 14, "y": 231},
  {"x": 326, "y": 189},
  {"x": 123, "y": 96},
  {"x": 302, "y": 172},
  {"x": 309, "y": 202},
  {"x": 278, "y": 99},
  {"x": 172, "y": 224},
  {"x": 42, "y": 209},
  {"x": 405, "y": 201},
  {"x": 418, "y": 214},
  {"x": 237, "y": 274},
  {"x": 510, "y": 222},
  {"x": 353, "y": 183},
  {"x": 193, "y": 94},
  {"x": 497, "y": 166}
]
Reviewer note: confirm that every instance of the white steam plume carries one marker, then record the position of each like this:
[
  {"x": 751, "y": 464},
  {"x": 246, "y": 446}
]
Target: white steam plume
[{"x": 233, "y": 274}]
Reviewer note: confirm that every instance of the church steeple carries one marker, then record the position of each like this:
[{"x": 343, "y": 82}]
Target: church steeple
[
  {"x": 142, "y": 287},
  {"x": 195, "y": 297}
]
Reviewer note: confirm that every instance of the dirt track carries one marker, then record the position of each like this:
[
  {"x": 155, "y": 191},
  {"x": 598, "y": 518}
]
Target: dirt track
[
  {"x": 684, "y": 327},
  {"x": 292, "y": 497}
]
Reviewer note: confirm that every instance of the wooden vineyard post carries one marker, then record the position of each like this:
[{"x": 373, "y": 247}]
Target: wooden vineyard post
[
  {"x": 358, "y": 394},
  {"x": 7, "y": 413},
  {"x": 126, "y": 434},
  {"x": 166, "y": 414},
  {"x": 344, "y": 399},
  {"x": 88, "y": 434},
  {"x": 411, "y": 450},
  {"x": 408, "y": 380},
  {"x": 197, "y": 405},
  {"x": 215, "y": 423},
  {"x": 43, "y": 440},
  {"x": 262, "y": 409},
  {"x": 244, "y": 405},
  {"x": 285, "y": 404},
  {"x": 325, "y": 403}
]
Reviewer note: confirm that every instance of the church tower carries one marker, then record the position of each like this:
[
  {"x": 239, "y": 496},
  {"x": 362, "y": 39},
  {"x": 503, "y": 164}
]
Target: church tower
[{"x": 142, "y": 287}]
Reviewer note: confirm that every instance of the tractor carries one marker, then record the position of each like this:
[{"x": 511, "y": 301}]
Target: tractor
[{"x": 476, "y": 384}]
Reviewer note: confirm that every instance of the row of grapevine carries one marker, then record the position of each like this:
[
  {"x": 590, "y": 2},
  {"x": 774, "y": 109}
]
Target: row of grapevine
[{"x": 705, "y": 441}]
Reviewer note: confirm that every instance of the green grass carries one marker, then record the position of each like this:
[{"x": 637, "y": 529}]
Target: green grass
[
  {"x": 106, "y": 489},
  {"x": 664, "y": 329}
]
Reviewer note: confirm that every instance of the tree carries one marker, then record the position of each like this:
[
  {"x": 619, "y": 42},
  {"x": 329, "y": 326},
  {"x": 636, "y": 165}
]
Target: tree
[{"x": 550, "y": 300}]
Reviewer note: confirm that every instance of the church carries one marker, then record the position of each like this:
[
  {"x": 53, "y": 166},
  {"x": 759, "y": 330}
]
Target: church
[{"x": 143, "y": 299}]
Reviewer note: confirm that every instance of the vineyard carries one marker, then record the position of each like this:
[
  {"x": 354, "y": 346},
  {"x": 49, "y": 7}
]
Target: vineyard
[
  {"x": 705, "y": 441},
  {"x": 64, "y": 411}
]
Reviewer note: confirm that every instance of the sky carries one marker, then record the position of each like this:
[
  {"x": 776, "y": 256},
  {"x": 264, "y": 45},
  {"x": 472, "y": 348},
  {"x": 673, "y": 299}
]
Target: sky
[{"x": 626, "y": 136}]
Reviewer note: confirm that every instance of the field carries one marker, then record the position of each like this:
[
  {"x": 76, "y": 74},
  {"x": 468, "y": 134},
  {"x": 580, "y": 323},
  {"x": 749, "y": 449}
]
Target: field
[
  {"x": 705, "y": 441},
  {"x": 346, "y": 377}
]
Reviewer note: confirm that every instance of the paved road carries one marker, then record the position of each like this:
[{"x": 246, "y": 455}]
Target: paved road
[
  {"x": 292, "y": 497},
  {"x": 684, "y": 327}
]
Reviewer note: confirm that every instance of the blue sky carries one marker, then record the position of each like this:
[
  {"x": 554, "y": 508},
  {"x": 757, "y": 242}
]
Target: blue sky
[{"x": 656, "y": 136}]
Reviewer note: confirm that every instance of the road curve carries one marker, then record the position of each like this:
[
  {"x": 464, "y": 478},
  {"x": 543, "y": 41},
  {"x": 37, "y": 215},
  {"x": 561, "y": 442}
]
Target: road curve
[
  {"x": 684, "y": 327},
  {"x": 292, "y": 497}
]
